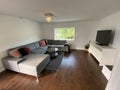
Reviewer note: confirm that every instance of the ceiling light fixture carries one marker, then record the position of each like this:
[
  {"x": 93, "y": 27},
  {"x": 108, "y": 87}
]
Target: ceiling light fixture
[{"x": 48, "y": 17}]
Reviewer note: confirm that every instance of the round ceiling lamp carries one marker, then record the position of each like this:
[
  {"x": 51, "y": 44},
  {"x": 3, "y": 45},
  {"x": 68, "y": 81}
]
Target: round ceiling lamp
[{"x": 48, "y": 17}]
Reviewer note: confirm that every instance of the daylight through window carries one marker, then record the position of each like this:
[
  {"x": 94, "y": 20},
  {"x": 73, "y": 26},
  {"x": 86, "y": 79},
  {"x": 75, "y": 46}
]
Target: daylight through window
[{"x": 64, "y": 33}]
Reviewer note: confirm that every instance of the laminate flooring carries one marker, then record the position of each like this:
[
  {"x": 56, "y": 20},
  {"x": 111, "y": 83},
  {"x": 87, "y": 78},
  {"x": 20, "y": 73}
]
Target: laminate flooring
[{"x": 78, "y": 71}]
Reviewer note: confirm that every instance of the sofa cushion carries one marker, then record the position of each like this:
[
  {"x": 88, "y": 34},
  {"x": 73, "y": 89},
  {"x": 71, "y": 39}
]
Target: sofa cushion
[
  {"x": 40, "y": 50},
  {"x": 27, "y": 50},
  {"x": 31, "y": 46},
  {"x": 14, "y": 53},
  {"x": 42, "y": 43},
  {"x": 60, "y": 42},
  {"x": 22, "y": 51},
  {"x": 56, "y": 42},
  {"x": 37, "y": 44}
]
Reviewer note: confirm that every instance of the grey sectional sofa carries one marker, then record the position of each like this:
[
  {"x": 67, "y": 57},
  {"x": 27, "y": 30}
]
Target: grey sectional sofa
[
  {"x": 36, "y": 61},
  {"x": 31, "y": 64}
]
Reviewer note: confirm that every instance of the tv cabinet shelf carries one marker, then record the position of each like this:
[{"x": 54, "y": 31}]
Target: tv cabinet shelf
[{"x": 104, "y": 54}]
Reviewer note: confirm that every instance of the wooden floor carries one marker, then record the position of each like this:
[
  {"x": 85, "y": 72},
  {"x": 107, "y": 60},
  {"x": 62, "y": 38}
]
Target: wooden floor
[{"x": 78, "y": 71}]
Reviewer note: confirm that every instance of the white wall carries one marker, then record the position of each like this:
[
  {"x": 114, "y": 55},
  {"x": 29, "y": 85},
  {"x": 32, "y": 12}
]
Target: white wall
[
  {"x": 15, "y": 32},
  {"x": 113, "y": 22},
  {"x": 85, "y": 31}
]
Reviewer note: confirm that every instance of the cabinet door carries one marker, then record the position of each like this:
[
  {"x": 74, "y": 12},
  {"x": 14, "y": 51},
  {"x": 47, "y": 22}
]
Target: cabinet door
[
  {"x": 114, "y": 82},
  {"x": 96, "y": 53},
  {"x": 108, "y": 57}
]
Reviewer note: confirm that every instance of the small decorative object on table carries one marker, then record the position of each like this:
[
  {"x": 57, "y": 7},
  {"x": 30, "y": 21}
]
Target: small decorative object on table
[
  {"x": 52, "y": 51},
  {"x": 87, "y": 46}
]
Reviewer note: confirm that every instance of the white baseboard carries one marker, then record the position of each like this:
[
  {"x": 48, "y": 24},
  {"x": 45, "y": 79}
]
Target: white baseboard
[{"x": 2, "y": 69}]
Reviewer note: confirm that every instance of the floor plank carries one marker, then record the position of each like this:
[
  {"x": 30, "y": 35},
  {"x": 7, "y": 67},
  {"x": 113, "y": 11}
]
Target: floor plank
[{"x": 78, "y": 71}]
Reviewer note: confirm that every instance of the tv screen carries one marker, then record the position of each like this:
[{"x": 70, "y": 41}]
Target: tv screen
[{"x": 103, "y": 37}]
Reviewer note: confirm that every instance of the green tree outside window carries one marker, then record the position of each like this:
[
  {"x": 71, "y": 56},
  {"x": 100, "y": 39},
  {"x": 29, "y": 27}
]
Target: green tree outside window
[{"x": 65, "y": 33}]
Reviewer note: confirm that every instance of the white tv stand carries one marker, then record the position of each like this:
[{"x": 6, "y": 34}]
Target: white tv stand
[{"x": 104, "y": 54}]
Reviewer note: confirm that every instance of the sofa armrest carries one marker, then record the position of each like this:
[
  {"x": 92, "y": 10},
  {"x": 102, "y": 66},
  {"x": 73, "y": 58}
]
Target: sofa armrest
[
  {"x": 11, "y": 63},
  {"x": 67, "y": 47}
]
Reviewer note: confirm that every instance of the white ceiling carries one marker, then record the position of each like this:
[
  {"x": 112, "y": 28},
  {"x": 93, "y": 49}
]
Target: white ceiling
[{"x": 64, "y": 10}]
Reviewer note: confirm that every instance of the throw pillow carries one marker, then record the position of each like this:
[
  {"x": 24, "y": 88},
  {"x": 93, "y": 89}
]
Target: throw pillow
[
  {"x": 42, "y": 43},
  {"x": 22, "y": 51},
  {"x": 46, "y": 42},
  {"x": 14, "y": 53},
  {"x": 27, "y": 50}
]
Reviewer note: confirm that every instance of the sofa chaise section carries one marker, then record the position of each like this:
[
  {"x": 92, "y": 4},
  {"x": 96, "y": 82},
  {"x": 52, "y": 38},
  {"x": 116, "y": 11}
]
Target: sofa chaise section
[
  {"x": 31, "y": 64},
  {"x": 34, "y": 64}
]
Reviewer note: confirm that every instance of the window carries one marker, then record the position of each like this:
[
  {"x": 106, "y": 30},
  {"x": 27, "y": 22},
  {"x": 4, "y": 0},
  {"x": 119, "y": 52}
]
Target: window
[{"x": 64, "y": 33}]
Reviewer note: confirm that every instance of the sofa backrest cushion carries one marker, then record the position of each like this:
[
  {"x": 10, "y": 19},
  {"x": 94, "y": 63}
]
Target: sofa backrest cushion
[
  {"x": 40, "y": 50},
  {"x": 30, "y": 46},
  {"x": 56, "y": 42},
  {"x": 37, "y": 44}
]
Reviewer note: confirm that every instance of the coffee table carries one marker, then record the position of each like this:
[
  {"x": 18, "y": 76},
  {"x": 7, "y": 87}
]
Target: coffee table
[
  {"x": 53, "y": 51},
  {"x": 56, "y": 57}
]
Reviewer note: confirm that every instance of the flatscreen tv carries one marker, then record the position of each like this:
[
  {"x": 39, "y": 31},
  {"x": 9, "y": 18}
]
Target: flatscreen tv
[{"x": 103, "y": 37}]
